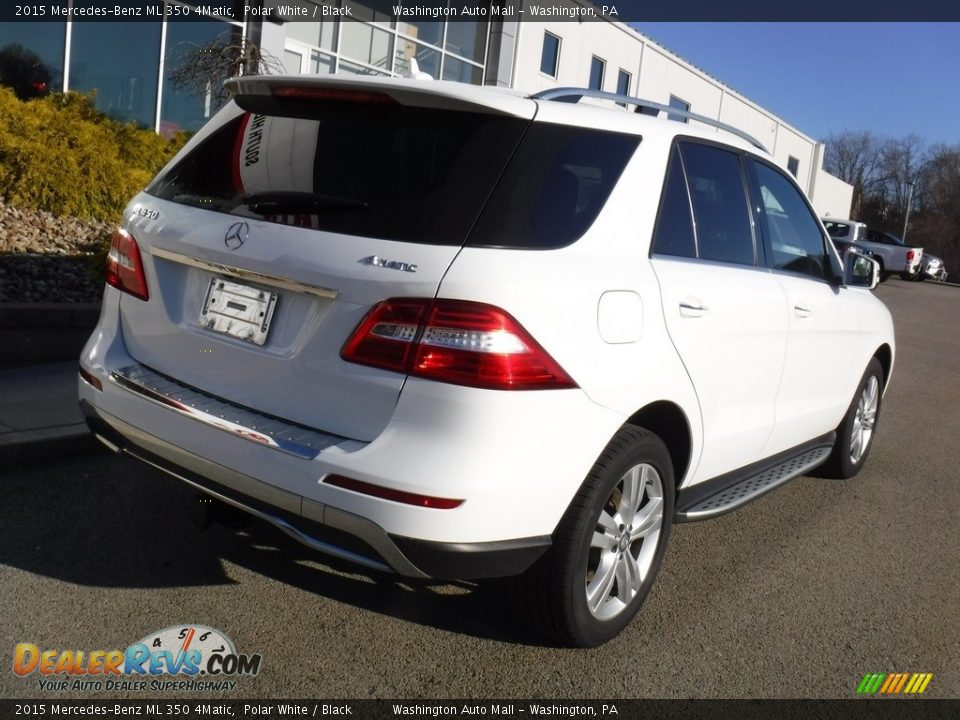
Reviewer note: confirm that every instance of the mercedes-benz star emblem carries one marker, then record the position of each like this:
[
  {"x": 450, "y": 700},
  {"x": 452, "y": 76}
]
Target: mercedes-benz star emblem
[{"x": 236, "y": 235}]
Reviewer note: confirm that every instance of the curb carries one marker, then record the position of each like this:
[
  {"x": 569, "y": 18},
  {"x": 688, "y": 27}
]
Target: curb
[
  {"x": 37, "y": 333},
  {"x": 30, "y": 446}
]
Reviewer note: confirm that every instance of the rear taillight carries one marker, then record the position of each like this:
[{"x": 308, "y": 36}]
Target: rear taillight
[
  {"x": 454, "y": 341},
  {"x": 125, "y": 267},
  {"x": 909, "y": 255}
]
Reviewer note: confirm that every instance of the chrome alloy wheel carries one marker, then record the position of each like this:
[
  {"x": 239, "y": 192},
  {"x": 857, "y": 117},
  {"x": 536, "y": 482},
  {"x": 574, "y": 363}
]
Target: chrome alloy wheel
[
  {"x": 865, "y": 419},
  {"x": 624, "y": 542}
]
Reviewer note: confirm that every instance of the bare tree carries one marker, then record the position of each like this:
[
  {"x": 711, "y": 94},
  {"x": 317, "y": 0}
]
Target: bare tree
[
  {"x": 854, "y": 157},
  {"x": 201, "y": 69}
]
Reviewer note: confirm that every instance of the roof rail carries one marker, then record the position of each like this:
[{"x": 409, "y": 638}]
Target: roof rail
[{"x": 574, "y": 94}]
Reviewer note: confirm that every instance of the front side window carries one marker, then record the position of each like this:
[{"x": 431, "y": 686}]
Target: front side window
[
  {"x": 793, "y": 239},
  {"x": 715, "y": 182},
  {"x": 550, "y": 55},
  {"x": 597, "y": 66}
]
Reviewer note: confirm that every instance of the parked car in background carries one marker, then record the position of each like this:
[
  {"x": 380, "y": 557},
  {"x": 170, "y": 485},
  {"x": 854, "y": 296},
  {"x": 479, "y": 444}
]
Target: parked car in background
[
  {"x": 933, "y": 268},
  {"x": 890, "y": 251},
  {"x": 843, "y": 247}
]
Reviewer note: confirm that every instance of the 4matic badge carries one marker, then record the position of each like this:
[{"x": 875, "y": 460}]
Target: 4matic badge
[
  {"x": 182, "y": 651},
  {"x": 378, "y": 261}
]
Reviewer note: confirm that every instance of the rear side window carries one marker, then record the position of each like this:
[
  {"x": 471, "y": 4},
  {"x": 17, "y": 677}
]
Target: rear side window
[
  {"x": 554, "y": 187},
  {"x": 715, "y": 182},
  {"x": 674, "y": 231},
  {"x": 372, "y": 170}
]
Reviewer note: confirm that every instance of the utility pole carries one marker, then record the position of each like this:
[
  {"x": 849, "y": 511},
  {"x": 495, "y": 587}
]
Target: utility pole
[{"x": 906, "y": 220}]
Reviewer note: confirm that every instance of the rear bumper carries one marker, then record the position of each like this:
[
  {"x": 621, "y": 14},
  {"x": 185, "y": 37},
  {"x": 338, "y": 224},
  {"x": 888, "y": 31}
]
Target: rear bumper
[{"x": 325, "y": 529}]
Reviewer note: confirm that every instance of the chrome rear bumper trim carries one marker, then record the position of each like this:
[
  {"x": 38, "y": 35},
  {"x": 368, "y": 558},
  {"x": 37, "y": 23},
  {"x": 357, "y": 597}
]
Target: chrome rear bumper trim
[
  {"x": 180, "y": 463},
  {"x": 241, "y": 273},
  {"x": 296, "y": 440}
]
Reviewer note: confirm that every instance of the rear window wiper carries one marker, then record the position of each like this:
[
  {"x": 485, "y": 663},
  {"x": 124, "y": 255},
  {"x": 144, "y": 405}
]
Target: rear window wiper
[{"x": 270, "y": 203}]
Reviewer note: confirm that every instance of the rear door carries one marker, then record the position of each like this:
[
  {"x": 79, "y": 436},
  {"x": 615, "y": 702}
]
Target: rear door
[
  {"x": 296, "y": 217},
  {"x": 726, "y": 314}
]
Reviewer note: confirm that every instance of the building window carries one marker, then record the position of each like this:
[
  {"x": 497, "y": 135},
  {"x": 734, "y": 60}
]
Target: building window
[
  {"x": 623, "y": 84},
  {"x": 120, "y": 65},
  {"x": 31, "y": 55},
  {"x": 597, "y": 66},
  {"x": 793, "y": 165},
  {"x": 550, "y": 56},
  {"x": 678, "y": 104}
]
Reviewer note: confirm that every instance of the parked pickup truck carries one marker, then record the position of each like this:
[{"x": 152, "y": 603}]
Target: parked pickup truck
[{"x": 890, "y": 251}]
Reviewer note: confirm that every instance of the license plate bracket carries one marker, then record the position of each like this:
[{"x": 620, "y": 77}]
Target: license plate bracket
[{"x": 240, "y": 311}]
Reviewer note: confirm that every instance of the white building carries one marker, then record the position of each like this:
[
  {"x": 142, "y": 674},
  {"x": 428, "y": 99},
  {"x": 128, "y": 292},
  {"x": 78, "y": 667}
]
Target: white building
[{"x": 533, "y": 56}]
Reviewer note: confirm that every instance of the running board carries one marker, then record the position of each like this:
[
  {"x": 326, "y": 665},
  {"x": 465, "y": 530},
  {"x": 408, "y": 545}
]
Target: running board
[{"x": 729, "y": 492}]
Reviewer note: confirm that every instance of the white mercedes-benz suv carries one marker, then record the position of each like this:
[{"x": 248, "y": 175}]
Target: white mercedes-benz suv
[{"x": 456, "y": 332}]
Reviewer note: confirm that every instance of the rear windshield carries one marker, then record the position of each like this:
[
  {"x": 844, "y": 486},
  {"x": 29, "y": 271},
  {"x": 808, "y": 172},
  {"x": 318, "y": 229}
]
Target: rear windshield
[
  {"x": 385, "y": 171},
  {"x": 405, "y": 173}
]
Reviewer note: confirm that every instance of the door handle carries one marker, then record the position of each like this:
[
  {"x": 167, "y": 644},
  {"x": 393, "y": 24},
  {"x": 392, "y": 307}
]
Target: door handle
[
  {"x": 688, "y": 310},
  {"x": 802, "y": 311}
]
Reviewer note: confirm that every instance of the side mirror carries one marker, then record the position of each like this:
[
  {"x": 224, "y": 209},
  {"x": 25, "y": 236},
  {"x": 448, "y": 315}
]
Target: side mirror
[{"x": 860, "y": 270}]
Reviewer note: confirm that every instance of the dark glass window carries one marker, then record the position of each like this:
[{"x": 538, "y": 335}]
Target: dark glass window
[
  {"x": 120, "y": 61},
  {"x": 794, "y": 241},
  {"x": 679, "y": 104},
  {"x": 31, "y": 56},
  {"x": 372, "y": 170},
  {"x": 673, "y": 234},
  {"x": 468, "y": 38},
  {"x": 461, "y": 71},
  {"x": 550, "y": 55},
  {"x": 623, "y": 84},
  {"x": 719, "y": 204},
  {"x": 554, "y": 187},
  {"x": 793, "y": 165},
  {"x": 597, "y": 66},
  {"x": 836, "y": 229},
  {"x": 187, "y": 106}
]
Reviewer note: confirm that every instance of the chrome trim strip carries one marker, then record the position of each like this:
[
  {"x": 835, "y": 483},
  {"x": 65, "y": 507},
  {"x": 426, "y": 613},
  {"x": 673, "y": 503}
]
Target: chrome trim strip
[
  {"x": 296, "y": 440},
  {"x": 754, "y": 486},
  {"x": 277, "y": 522},
  {"x": 371, "y": 533},
  {"x": 251, "y": 275}
]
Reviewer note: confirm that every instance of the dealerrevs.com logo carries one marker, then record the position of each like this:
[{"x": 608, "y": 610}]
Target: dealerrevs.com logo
[{"x": 180, "y": 657}]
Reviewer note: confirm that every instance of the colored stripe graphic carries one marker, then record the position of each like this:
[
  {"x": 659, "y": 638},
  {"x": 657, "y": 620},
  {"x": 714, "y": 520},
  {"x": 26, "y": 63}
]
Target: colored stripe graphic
[{"x": 894, "y": 683}]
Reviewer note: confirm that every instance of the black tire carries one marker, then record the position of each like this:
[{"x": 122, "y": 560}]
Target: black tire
[
  {"x": 841, "y": 464},
  {"x": 884, "y": 275},
  {"x": 551, "y": 596}
]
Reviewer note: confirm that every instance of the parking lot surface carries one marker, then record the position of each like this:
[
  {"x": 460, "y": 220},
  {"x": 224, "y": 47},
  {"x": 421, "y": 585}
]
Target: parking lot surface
[{"x": 796, "y": 595}]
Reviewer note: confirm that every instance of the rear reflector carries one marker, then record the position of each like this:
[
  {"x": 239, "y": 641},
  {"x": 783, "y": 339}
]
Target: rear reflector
[
  {"x": 90, "y": 378},
  {"x": 125, "y": 267},
  {"x": 333, "y": 94},
  {"x": 454, "y": 341},
  {"x": 399, "y": 496}
]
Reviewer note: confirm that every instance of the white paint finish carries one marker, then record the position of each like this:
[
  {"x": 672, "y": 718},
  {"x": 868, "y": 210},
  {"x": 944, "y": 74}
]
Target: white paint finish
[
  {"x": 733, "y": 343},
  {"x": 825, "y": 358},
  {"x": 620, "y": 317},
  {"x": 832, "y": 197}
]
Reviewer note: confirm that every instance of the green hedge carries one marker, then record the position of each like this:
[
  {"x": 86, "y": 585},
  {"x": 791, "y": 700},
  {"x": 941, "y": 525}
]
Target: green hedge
[{"x": 60, "y": 154}]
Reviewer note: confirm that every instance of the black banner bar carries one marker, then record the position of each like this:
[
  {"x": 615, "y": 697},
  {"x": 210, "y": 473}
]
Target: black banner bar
[
  {"x": 473, "y": 10},
  {"x": 865, "y": 709}
]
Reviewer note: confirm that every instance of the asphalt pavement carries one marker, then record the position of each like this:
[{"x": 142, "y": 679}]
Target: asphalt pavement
[{"x": 796, "y": 595}]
